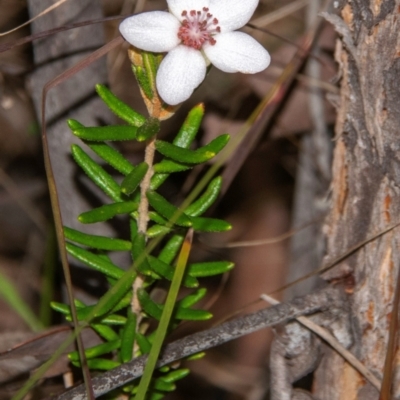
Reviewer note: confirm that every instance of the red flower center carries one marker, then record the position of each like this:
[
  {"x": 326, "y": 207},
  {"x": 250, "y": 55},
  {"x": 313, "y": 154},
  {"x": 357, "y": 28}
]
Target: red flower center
[{"x": 197, "y": 28}]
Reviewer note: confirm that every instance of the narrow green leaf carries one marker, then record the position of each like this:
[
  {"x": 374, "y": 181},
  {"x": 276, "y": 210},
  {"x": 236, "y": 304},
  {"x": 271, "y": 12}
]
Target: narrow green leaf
[
  {"x": 199, "y": 270},
  {"x": 111, "y": 156},
  {"x": 97, "y": 242},
  {"x": 187, "y": 314},
  {"x": 143, "y": 80},
  {"x": 184, "y": 139},
  {"x": 201, "y": 224},
  {"x": 60, "y": 307},
  {"x": 157, "y": 230},
  {"x": 101, "y": 364},
  {"x": 192, "y": 298},
  {"x": 190, "y": 127},
  {"x": 149, "y": 306},
  {"x": 114, "y": 319},
  {"x": 169, "y": 166},
  {"x": 201, "y": 205},
  {"x": 176, "y": 375},
  {"x": 151, "y": 62},
  {"x": 160, "y": 384},
  {"x": 106, "y": 133},
  {"x": 94, "y": 261},
  {"x": 167, "y": 272},
  {"x": 170, "y": 250},
  {"x": 96, "y": 173},
  {"x": 157, "y": 218},
  {"x": 117, "y": 294},
  {"x": 156, "y": 396},
  {"x": 10, "y": 294},
  {"x": 167, "y": 210},
  {"x": 197, "y": 356},
  {"x": 105, "y": 331},
  {"x": 149, "y": 129},
  {"x": 119, "y": 108},
  {"x": 138, "y": 253},
  {"x": 96, "y": 351},
  {"x": 104, "y": 213},
  {"x": 128, "y": 335},
  {"x": 133, "y": 179},
  {"x": 143, "y": 343},
  {"x": 198, "y": 156}
]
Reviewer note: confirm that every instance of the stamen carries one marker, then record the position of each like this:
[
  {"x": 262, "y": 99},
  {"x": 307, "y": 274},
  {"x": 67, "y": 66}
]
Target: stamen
[{"x": 197, "y": 28}]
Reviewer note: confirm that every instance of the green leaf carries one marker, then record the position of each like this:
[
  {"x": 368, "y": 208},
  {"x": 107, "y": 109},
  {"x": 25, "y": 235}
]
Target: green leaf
[
  {"x": 116, "y": 295},
  {"x": 160, "y": 384},
  {"x": 143, "y": 80},
  {"x": 190, "y": 127},
  {"x": 192, "y": 298},
  {"x": 155, "y": 310},
  {"x": 143, "y": 343},
  {"x": 170, "y": 250},
  {"x": 94, "y": 261},
  {"x": 114, "y": 319},
  {"x": 201, "y": 224},
  {"x": 202, "y": 204},
  {"x": 167, "y": 210},
  {"x": 149, "y": 129},
  {"x": 199, "y": 270},
  {"x": 157, "y": 230},
  {"x": 128, "y": 335},
  {"x": 176, "y": 375},
  {"x": 106, "y": 133},
  {"x": 104, "y": 213},
  {"x": 187, "y": 314},
  {"x": 102, "y": 364},
  {"x": 60, "y": 307},
  {"x": 96, "y": 173},
  {"x": 105, "y": 331},
  {"x": 96, "y": 351},
  {"x": 184, "y": 139},
  {"x": 97, "y": 242},
  {"x": 149, "y": 306},
  {"x": 198, "y": 156},
  {"x": 167, "y": 272},
  {"x": 111, "y": 156},
  {"x": 133, "y": 179},
  {"x": 169, "y": 166},
  {"x": 119, "y": 108}
]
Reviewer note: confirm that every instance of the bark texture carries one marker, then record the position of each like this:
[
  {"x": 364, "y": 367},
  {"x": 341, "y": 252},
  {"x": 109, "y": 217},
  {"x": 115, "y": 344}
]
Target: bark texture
[{"x": 365, "y": 190}]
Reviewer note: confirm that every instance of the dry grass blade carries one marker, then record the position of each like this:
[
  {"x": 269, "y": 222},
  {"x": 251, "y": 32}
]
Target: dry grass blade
[{"x": 44, "y": 12}]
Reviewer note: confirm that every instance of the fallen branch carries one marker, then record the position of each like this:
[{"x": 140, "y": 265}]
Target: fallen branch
[{"x": 209, "y": 338}]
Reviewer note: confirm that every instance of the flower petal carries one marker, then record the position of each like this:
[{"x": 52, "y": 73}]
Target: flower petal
[
  {"x": 237, "y": 52},
  {"x": 155, "y": 31},
  {"x": 232, "y": 14},
  {"x": 181, "y": 71},
  {"x": 177, "y": 6}
]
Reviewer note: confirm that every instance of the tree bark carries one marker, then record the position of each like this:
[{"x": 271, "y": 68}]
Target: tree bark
[{"x": 365, "y": 190}]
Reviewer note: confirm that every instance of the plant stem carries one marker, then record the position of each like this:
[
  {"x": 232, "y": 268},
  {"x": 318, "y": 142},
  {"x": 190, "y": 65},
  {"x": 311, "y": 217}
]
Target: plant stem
[{"x": 143, "y": 220}]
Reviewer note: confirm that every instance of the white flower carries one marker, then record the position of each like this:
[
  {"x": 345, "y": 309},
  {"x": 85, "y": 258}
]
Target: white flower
[{"x": 195, "y": 33}]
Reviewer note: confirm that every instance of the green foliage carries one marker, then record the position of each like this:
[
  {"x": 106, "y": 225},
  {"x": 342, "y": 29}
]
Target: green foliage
[{"x": 126, "y": 334}]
